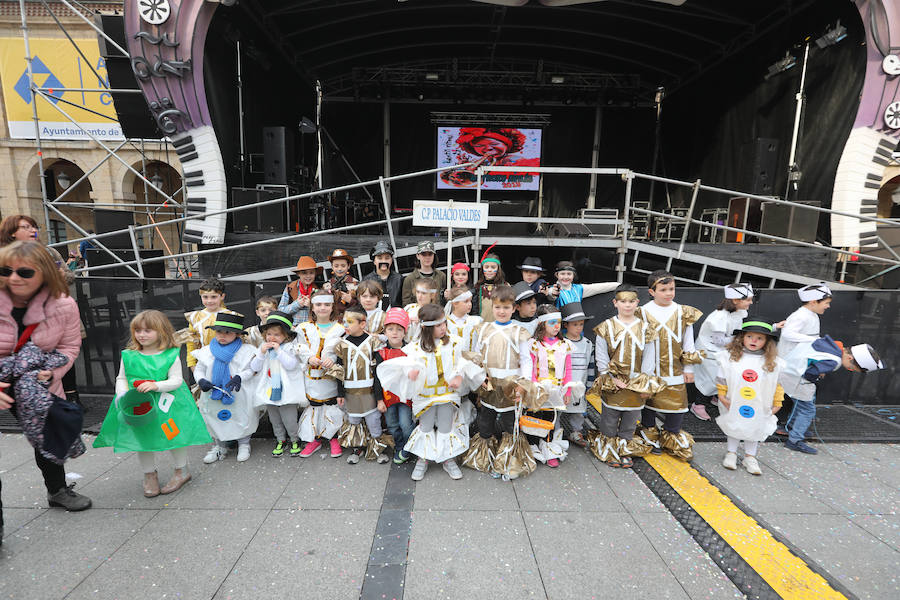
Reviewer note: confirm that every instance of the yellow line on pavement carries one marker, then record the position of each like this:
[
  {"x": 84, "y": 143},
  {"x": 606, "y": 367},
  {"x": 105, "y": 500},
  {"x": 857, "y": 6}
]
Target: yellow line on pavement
[{"x": 788, "y": 575}]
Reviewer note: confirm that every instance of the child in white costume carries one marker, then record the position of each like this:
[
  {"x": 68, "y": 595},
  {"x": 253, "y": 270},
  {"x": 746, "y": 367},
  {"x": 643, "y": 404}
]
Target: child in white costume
[
  {"x": 435, "y": 375},
  {"x": 279, "y": 387},
  {"x": 749, "y": 391},
  {"x": 224, "y": 377},
  {"x": 323, "y": 417},
  {"x": 714, "y": 335},
  {"x": 426, "y": 294},
  {"x": 464, "y": 326},
  {"x": 582, "y": 350},
  {"x": 551, "y": 357}
]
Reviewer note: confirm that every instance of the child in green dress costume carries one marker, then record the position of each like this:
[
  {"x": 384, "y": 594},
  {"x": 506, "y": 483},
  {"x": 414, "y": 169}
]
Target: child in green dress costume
[{"x": 153, "y": 410}]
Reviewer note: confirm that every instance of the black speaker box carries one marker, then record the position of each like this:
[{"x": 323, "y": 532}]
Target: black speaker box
[
  {"x": 763, "y": 160},
  {"x": 106, "y": 221},
  {"x": 262, "y": 219},
  {"x": 278, "y": 155},
  {"x": 131, "y": 109},
  {"x": 790, "y": 222},
  {"x": 154, "y": 270}
]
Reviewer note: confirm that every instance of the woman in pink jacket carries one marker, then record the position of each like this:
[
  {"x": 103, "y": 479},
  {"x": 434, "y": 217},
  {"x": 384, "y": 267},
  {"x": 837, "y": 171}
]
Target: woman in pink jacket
[{"x": 32, "y": 290}]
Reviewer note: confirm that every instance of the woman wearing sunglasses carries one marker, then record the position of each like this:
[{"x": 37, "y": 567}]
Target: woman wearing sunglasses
[{"x": 32, "y": 291}]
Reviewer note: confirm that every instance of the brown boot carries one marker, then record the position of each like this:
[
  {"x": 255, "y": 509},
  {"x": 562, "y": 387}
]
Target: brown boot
[
  {"x": 151, "y": 485},
  {"x": 179, "y": 478}
]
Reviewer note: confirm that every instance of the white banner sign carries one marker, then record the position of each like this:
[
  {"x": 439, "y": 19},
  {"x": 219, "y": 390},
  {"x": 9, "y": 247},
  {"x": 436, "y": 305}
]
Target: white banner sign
[{"x": 460, "y": 215}]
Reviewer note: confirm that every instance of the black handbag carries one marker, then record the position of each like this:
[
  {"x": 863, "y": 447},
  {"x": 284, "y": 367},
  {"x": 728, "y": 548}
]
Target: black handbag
[{"x": 63, "y": 426}]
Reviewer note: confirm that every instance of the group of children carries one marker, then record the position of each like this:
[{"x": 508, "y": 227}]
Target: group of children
[{"x": 479, "y": 377}]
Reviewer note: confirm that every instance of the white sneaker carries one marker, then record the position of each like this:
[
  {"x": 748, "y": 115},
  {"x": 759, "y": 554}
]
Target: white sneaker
[
  {"x": 243, "y": 452},
  {"x": 216, "y": 453},
  {"x": 730, "y": 461},
  {"x": 419, "y": 470},
  {"x": 452, "y": 469},
  {"x": 382, "y": 458},
  {"x": 752, "y": 465}
]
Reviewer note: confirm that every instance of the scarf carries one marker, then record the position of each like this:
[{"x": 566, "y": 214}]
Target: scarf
[
  {"x": 221, "y": 375},
  {"x": 274, "y": 375}
]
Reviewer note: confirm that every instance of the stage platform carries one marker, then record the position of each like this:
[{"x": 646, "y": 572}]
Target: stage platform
[{"x": 820, "y": 526}]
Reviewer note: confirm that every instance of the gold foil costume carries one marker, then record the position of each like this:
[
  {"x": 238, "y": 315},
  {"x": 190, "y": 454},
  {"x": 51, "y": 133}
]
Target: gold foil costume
[{"x": 671, "y": 354}]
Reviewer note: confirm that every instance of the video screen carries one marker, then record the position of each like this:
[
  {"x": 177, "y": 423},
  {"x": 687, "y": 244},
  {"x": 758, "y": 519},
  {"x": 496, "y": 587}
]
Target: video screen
[{"x": 488, "y": 146}]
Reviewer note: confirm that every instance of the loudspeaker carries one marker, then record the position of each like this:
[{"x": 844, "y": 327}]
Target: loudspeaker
[
  {"x": 743, "y": 213},
  {"x": 278, "y": 155},
  {"x": 106, "y": 221},
  {"x": 763, "y": 161},
  {"x": 131, "y": 109},
  {"x": 262, "y": 219},
  {"x": 789, "y": 222},
  {"x": 154, "y": 270}
]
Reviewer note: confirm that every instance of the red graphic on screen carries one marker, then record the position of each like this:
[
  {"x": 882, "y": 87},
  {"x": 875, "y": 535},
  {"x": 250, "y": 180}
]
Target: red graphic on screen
[{"x": 488, "y": 146}]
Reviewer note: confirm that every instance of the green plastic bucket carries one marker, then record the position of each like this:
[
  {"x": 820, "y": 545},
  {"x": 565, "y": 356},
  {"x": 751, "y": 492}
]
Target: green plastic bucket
[{"x": 132, "y": 401}]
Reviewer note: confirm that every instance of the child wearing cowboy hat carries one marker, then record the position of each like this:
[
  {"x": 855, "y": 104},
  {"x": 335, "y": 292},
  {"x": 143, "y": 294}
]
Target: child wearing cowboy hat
[
  {"x": 747, "y": 383},
  {"x": 342, "y": 284},
  {"x": 280, "y": 389},
  {"x": 295, "y": 300},
  {"x": 805, "y": 365}
]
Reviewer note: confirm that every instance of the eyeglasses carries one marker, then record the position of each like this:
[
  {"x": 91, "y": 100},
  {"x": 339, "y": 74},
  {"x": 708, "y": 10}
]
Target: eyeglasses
[
  {"x": 29, "y": 226},
  {"x": 23, "y": 272}
]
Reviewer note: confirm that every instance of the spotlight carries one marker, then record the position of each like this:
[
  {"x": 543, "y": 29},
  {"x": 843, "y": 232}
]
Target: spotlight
[
  {"x": 832, "y": 36},
  {"x": 782, "y": 65},
  {"x": 568, "y": 101},
  {"x": 432, "y": 77},
  {"x": 557, "y": 79},
  {"x": 420, "y": 97},
  {"x": 307, "y": 126}
]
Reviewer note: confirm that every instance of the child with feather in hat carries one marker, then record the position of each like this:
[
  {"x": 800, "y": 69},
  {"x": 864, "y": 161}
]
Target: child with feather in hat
[
  {"x": 359, "y": 391},
  {"x": 280, "y": 381},
  {"x": 715, "y": 334},
  {"x": 223, "y": 374},
  {"x": 749, "y": 391},
  {"x": 626, "y": 361},
  {"x": 491, "y": 277}
]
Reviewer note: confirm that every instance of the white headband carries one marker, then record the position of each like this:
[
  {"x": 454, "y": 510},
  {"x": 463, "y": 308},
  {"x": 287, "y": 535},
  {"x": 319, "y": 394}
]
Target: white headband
[
  {"x": 818, "y": 291},
  {"x": 738, "y": 291},
  {"x": 463, "y": 297},
  {"x": 550, "y": 317},
  {"x": 322, "y": 299},
  {"x": 429, "y": 290},
  {"x": 864, "y": 358},
  {"x": 433, "y": 323}
]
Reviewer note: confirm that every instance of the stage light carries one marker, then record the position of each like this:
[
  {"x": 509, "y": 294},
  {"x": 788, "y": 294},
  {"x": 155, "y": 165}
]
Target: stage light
[
  {"x": 420, "y": 96},
  {"x": 307, "y": 126},
  {"x": 832, "y": 36},
  {"x": 557, "y": 79},
  {"x": 782, "y": 65},
  {"x": 568, "y": 101},
  {"x": 432, "y": 77},
  {"x": 63, "y": 180}
]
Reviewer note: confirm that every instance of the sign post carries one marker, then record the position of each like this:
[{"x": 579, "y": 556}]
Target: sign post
[{"x": 462, "y": 215}]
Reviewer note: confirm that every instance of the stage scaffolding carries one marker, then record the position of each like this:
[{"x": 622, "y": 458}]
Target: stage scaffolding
[{"x": 620, "y": 242}]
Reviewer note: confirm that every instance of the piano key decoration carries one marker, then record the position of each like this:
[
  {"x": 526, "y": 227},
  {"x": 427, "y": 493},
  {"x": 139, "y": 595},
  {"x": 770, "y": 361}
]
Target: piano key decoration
[{"x": 166, "y": 39}]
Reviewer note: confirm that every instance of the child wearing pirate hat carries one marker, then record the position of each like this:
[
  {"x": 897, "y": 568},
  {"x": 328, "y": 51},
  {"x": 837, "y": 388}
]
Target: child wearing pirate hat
[
  {"x": 805, "y": 365},
  {"x": 802, "y": 326},
  {"x": 714, "y": 335},
  {"x": 280, "y": 389},
  {"x": 747, "y": 383}
]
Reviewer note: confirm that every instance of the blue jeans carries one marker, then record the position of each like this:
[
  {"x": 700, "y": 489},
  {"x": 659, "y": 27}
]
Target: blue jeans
[
  {"x": 400, "y": 424},
  {"x": 803, "y": 416}
]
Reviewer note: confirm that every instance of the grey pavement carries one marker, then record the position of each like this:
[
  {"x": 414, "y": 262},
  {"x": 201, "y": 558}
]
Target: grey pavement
[{"x": 293, "y": 527}]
